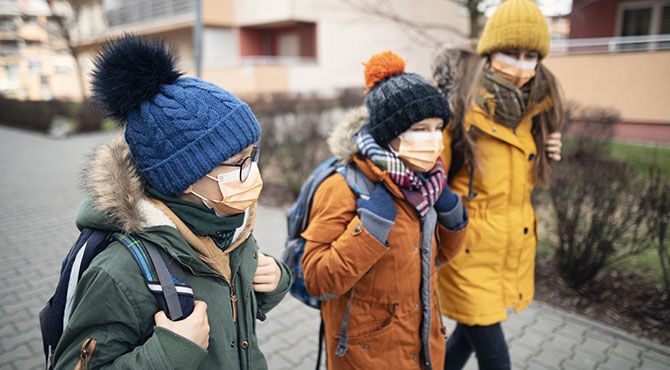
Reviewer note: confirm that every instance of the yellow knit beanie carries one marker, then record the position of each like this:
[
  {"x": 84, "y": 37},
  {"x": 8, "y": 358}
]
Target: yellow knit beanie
[{"x": 516, "y": 24}]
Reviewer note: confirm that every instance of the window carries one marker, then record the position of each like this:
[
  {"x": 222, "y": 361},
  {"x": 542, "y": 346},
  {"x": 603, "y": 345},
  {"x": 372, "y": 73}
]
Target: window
[
  {"x": 644, "y": 18},
  {"x": 636, "y": 22},
  {"x": 12, "y": 71}
]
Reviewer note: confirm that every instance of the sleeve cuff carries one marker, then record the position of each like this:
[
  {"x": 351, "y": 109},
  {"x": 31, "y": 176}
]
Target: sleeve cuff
[
  {"x": 456, "y": 218},
  {"x": 179, "y": 351},
  {"x": 377, "y": 226}
]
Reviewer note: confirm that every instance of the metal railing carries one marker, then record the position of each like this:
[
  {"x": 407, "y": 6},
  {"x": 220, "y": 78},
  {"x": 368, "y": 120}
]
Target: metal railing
[
  {"x": 146, "y": 11},
  {"x": 276, "y": 60},
  {"x": 610, "y": 44}
]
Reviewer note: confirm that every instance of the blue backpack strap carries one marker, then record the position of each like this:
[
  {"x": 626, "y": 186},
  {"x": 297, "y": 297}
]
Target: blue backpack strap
[
  {"x": 163, "y": 275},
  {"x": 53, "y": 317}
]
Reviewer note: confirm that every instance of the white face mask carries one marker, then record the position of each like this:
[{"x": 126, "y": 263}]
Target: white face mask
[
  {"x": 419, "y": 150},
  {"x": 236, "y": 195}
]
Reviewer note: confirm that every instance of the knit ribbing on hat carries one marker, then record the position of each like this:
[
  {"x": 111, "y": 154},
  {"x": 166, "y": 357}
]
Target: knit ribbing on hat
[
  {"x": 398, "y": 102},
  {"x": 187, "y": 130},
  {"x": 516, "y": 24}
]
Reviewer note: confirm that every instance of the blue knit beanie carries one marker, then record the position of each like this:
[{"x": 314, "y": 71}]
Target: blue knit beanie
[
  {"x": 396, "y": 100},
  {"x": 178, "y": 129}
]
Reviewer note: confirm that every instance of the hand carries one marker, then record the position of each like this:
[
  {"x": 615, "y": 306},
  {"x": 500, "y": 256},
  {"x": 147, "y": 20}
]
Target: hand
[
  {"x": 553, "y": 146},
  {"x": 195, "y": 327},
  {"x": 447, "y": 200},
  {"x": 380, "y": 203},
  {"x": 267, "y": 274}
]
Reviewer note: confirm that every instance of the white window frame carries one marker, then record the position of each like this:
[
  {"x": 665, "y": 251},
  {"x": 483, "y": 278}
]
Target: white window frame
[{"x": 656, "y": 13}]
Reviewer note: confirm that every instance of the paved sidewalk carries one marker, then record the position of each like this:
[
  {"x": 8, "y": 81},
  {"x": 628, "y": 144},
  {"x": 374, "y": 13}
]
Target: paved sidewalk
[{"x": 39, "y": 197}]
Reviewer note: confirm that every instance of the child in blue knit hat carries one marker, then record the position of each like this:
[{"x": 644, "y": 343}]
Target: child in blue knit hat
[{"x": 183, "y": 176}]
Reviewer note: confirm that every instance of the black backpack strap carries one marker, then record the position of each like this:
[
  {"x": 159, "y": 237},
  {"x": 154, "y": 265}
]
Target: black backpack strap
[
  {"x": 163, "y": 275},
  {"x": 174, "y": 311},
  {"x": 55, "y": 314},
  {"x": 322, "y": 334}
]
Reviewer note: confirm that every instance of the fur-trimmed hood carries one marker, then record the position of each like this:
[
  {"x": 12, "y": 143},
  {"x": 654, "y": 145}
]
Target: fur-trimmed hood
[
  {"x": 449, "y": 67},
  {"x": 341, "y": 140},
  {"x": 115, "y": 191}
]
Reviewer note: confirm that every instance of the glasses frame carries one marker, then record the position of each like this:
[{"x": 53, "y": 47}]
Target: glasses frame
[{"x": 253, "y": 158}]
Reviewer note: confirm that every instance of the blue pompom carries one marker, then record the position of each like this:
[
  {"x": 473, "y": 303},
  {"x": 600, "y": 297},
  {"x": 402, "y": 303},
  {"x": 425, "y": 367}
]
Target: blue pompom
[{"x": 129, "y": 71}]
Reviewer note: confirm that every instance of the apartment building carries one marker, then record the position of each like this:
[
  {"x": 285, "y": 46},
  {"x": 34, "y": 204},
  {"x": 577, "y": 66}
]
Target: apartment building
[
  {"x": 256, "y": 47},
  {"x": 35, "y": 62}
]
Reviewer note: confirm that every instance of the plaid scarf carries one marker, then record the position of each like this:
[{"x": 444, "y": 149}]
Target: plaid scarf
[
  {"x": 502, "y": 99},
  {"x": 421, "y": 190}
]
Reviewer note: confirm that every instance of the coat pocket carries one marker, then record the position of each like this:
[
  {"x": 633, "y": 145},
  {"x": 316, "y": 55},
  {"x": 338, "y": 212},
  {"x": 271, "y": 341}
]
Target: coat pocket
[{"x": 85, "y": 354}]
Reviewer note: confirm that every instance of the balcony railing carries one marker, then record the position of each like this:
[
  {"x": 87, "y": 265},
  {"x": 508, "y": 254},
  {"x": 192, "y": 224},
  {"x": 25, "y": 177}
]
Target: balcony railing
[
  {"x": 276, "y": 60},
  {"x": 610, "y": 44},
  {"x": 146, "y": 11}
]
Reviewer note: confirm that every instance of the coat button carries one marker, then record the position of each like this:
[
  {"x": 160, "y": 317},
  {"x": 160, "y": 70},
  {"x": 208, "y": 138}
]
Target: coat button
[
  {"x": 467, "y": 250},
  {"x": 416, "y": 358},
  {"x": 531, "y": 157},
  {"x": 244, "y": 344},
  {"x": 255, "y": 254},
  {"x": 494, "y": 129},
  {"x": 514, "y": 131},
  {"x": 525, "y": 230},
  {"x": 416, "y": 305},
  {"x": 232, "y": 344},
  {"x": 365, "y": 346},
  {"x": 415, "y": 249},
  {"x": 357, "y": 229}
]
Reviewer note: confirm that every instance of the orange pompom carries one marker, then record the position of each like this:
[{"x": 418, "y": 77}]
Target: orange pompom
[{"x": 382, "y": 65}]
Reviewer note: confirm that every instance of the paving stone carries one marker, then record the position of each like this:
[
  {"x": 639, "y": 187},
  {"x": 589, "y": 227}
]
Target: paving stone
[
  {"x": 587, "y": 359},
  {"x": 562, "y": 343},
  {"x": 545, "y": 326},
  {"x": 532, "y": 340},
  {"x": 519, "y": 352},
  {"x": 534, "y": 365},
  {"x": 550, "y": 358},
  {"x": 652, "y": 364},
  {"x": 656, "y": 356},
  {"x": 573, "y": 330},
  {"x": 18, "y": 353},
  {"x": 596, "y": 347},
  {"x": 614, "y": 362},
  {"x": 281, "y": 363},
  {"x": 627, "y": 350}
]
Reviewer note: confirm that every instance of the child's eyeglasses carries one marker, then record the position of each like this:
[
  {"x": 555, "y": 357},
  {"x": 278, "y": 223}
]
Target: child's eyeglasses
[{"x": 245, "y": 165}]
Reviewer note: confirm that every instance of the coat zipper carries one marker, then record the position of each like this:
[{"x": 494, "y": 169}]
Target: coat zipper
[{"x": 85, "y": 354}]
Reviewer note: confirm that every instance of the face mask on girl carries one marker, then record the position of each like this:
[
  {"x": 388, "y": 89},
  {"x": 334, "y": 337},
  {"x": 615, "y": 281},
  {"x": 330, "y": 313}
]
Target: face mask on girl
[
  {"x": 237, "y": 196},
  {"x": 419, "y": 150},
  {"x": 513, "y": 70}
]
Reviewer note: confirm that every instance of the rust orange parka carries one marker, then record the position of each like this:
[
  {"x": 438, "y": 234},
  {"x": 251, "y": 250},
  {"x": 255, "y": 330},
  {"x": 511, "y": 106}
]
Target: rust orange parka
[{"x": 386, "y": 311}]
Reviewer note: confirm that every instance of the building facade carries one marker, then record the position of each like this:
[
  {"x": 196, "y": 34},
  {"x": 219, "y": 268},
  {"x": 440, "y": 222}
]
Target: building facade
[
  {"x": 35, "y": 62},
  {"x": 618, "y": 56},
  {"x": 256, "y": 47}
]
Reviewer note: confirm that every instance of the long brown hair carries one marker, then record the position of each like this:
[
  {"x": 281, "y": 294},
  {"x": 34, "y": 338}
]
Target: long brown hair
[{"x": 460, "y": 82}]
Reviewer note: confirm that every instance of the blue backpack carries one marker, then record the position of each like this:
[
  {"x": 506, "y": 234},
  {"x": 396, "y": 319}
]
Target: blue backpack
[
  {"x": 164, "y": 278},
  {"x": 297, "y": 220}
]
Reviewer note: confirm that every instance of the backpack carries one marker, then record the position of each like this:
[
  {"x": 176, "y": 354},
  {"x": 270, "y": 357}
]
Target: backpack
[
  {"x": 297, "y": 219},
  {"x": 164, "y": 278}
]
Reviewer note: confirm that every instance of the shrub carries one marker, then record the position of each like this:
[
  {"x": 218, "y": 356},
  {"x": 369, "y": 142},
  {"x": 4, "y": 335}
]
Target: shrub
[
  {"x": 658, "y": 202},
  {"x": 40, "y": 115},
  {"x": 601, "y": 210}
]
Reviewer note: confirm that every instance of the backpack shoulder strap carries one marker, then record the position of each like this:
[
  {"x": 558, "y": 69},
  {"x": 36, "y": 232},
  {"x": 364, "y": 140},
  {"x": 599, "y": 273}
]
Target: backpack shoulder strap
[
  {"x": 54, "y": 316},
  {"x": 359, "y": 184},
  {"x": 163, "y": 275}
]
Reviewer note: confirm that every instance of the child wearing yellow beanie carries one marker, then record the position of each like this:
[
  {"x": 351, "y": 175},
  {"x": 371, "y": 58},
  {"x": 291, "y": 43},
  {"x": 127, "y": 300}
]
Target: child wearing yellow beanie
[{"x": 498, "y": 147}]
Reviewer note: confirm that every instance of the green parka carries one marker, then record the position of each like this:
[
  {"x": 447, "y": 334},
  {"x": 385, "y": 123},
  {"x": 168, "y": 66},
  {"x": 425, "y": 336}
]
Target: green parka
[{"x": 112, "y": 317}]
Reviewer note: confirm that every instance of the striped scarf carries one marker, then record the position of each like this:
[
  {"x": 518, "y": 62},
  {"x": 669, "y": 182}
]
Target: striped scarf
[{"x": 420, "y": 190}]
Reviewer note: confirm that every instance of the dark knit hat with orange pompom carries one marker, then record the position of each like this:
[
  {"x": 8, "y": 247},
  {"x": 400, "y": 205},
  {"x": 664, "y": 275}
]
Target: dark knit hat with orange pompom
[{"x": 396, "y": 100}]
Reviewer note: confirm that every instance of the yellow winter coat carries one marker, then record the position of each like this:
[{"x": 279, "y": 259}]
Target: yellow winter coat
[{"x": 495, "y": 268}]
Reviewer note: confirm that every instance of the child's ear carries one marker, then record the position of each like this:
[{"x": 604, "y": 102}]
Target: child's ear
[{"x": 188, "y": 190}]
